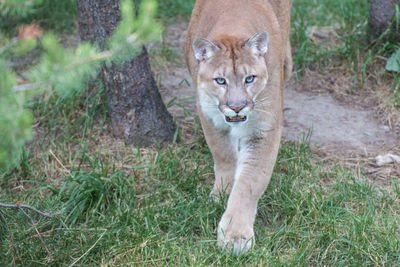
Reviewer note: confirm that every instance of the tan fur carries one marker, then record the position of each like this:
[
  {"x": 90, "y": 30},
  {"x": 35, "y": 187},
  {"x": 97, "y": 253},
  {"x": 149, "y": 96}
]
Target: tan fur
[{"x": 244, "y": 153}]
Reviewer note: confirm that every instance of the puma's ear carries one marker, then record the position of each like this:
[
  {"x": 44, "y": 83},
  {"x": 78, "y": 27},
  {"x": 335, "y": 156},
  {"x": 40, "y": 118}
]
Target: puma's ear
[
  {"x": 203, "y": 49},
  {"x": 258, "y": 44}
]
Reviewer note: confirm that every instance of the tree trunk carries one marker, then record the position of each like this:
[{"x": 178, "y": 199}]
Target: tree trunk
[
  {"x": 381, "y": 15},
  {"x": 136, "y": 109}
]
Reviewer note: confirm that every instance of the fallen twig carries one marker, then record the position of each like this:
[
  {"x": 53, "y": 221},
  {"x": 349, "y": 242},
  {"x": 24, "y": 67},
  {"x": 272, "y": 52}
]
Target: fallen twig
[
  {"x": 23, "y": 206},
  {"x": 320, "y": 35}
]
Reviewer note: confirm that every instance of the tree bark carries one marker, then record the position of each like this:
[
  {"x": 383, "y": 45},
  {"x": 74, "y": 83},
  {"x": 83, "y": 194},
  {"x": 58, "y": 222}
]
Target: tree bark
[
  {"x": 136, "y": 109},
  {"x": 381, "y": 15}
]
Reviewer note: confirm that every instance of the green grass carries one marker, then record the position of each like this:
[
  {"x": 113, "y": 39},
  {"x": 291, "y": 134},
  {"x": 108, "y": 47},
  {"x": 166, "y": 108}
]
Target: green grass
[
  {"x": 347, "y": 19},
  {"x": 155, "y": 209},
  {"x": 172, "y": 8}
]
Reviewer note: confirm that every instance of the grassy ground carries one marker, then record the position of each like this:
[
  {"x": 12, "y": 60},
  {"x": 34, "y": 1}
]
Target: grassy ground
[{"x": 116, "y": 206}]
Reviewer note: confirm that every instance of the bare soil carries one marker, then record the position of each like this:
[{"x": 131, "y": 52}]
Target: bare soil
[
  {"x": 344, "y": 126},
  {"x": 334, "y": 126}
]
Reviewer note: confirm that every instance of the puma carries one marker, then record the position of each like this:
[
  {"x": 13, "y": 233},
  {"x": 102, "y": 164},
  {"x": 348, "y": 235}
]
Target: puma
[{"x": 239, "y": 55}]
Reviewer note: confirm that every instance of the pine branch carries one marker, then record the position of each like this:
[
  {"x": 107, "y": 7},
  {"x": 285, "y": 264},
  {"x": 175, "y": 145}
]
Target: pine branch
[
  {"x": 8, "y": 45},
  {"x": 130, "y": 41}
]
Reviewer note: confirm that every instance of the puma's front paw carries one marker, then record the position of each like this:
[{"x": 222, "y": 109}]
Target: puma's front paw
[{"x": 235, "y": 234}]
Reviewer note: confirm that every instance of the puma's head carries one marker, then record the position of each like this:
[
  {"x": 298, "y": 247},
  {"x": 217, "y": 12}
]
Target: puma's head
[{"x": 232, "y": 72}]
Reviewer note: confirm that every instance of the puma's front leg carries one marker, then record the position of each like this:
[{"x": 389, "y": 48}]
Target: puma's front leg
[
  {"x": 224, "y": 168},
  {"x": 224, "y": 159},
  {"x": 254, "y": 168}
]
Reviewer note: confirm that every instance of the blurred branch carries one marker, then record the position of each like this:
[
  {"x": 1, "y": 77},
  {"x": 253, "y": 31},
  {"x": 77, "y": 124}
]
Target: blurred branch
[
  {"x": 101, "y": 56},
  {"x": 130, "y": 41},
  {"x": 27, "y": 86},
  {"x": 8, "y": 45}
]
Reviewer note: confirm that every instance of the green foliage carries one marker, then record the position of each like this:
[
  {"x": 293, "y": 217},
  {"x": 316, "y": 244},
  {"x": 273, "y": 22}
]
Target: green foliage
[
  {"x": 15, "y": 121},
  {"x": 62, "y": 72},
  {"x": 21, "y": 8},
  {"x": 56, "y": 15},
  {"x": 144, "y": 27},
  {"x": 393, "y": 63},
  {"x": 23, "y": 46},
  {"x": 15, "y": 47}
]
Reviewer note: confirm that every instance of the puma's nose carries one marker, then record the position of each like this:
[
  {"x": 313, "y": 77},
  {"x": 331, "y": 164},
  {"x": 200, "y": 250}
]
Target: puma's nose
[{"x": 237, "y": 107}]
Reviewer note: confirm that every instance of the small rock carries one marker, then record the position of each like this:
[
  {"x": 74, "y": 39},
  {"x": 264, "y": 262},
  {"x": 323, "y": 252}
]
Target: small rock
[
  {"x": 384, "y": 127},
  {"x": 312, "y": 66},
  {"x": 382, "y": 160}
]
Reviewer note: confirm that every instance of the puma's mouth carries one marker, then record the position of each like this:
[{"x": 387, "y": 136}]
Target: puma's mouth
[{"x": 236, "y": 118}]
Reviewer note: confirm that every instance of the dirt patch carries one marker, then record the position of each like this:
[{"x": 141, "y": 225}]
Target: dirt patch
[
  {"x": 341, "y": 122},
  {"x": 334, "y": 125},
  {"x": 345, "y": 130}
]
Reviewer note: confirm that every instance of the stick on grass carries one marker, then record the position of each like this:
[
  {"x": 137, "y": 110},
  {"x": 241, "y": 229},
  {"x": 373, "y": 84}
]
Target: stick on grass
[{"x": 23, "y": 206}]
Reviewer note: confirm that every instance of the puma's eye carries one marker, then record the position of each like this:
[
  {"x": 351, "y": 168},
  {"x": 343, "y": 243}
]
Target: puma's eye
[
  {"x": 220, "y": 81},
  {"x": 250, "y": 79}
]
